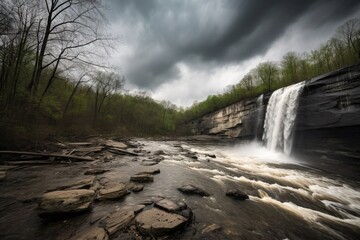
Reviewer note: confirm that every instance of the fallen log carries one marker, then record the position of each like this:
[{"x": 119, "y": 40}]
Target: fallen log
[
  {"x": 69, "y": 157},
  {"x": 121, "y": 151}
]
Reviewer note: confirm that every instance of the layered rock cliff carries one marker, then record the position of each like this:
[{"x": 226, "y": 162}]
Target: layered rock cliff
[
  {"x": 238, "y": 120},
  {"x": 328, "y": 116}
]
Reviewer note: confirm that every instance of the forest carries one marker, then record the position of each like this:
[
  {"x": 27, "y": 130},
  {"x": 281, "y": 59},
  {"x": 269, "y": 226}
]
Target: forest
[{"x": 54, "y": 83}]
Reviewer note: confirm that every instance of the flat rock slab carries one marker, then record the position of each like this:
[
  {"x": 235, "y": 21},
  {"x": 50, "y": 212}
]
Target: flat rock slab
[
  {"x": 84, "y": 183},
  {"x": 2, "y": 175},
  {"x": 113, "y": 192},
  {"x": 142, "y": 178},
  {"x": 135, "y": 208},
  {"x": 135, "y": 187},
  {"x": 94, "y": 233},
  {"x": 191, "y": 189},
  {"x": 118, "y": 221},
  {"x": 168, "y": 205},
  {"x": 158, "y": 222},
  {"x": 115, "y": 144},
  {"x": 237, "y": 194},
  {"x": 67, "y": 201},
  {"x": 95, "y": 171},
  {"x": 150, "y": 172}
]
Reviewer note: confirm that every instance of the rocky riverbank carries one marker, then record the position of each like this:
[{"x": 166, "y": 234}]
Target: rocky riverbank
[{"x": 99, "y": 197}]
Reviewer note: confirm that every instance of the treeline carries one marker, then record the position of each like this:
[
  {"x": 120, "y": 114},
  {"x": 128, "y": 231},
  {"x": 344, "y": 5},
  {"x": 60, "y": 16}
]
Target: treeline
[
  {"x": 341, "y": 50},
  {"x": 55, "y": 80}
]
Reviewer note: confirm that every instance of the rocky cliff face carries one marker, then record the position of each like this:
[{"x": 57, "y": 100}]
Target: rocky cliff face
[
  {"x": 328, "y": 117},
  {"x": 238, "y": 120}
]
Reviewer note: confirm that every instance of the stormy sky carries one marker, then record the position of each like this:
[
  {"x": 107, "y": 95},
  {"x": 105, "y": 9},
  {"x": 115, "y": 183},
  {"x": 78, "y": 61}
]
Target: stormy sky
[{"x": 182, "y": 50}]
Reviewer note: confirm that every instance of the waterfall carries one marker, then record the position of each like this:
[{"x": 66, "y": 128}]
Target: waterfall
[
  {"x": 259, "y": 116},
  {"x": 280, "y": 118}
]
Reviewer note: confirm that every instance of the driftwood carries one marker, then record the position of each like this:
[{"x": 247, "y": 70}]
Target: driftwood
[
  {"x": 121, "y": 151},
  {"x": 70, "y": 157}
]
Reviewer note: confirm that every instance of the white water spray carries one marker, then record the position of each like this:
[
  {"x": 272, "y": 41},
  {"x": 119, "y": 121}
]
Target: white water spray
[{"x": 280, "y": 118}]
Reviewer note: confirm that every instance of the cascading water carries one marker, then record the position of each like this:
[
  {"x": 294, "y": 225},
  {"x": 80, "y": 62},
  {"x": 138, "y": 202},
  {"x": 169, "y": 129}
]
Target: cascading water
[
  {"x": 280, "y": 118},
  {"x": 259, "y": 116}
]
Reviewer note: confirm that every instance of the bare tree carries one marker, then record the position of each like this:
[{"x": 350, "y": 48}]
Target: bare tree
[
  {"x": 349, "y": 34},
  {"x": 105, "y": 83},
  {"x": 68, "y": 27}
]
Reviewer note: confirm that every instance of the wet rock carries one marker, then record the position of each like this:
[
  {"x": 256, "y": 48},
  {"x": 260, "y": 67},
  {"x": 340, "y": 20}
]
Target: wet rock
[
  {"x": 135, "y": 208},
  {"x": 211, "y": 229},
  {"x": 85, "y": 183},
  {"x": 182, "y": 205},
  {"x": 95, "y": 171},
  {"x": 210, "y": 155},
  {"x": 237, "y": 194},
  {"x": 159, "y": 152},
  {"x": 156, "y": 158},
  {"x": 148, "y": 163},
  {"x": 118, "y": 221},
  {"x": 94, "y": 233},
  {"x": 191, "y": 189},
  {"x": 152, "y": 172},
  {"x": 158, "y": 222},
  {"x": 191, "y": 155},
  {"x": 186, "y": 213},
  {"x": 142, "y": 178},
  {"x": 167, "y": 205},
  {"x": 113, "y": 192},
  {"x": 135, "y": 187},
  {"x": 67, "y": 201},
  {"x": 2, "y": 175}
]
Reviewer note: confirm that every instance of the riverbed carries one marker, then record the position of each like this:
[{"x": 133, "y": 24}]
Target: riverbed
[{"x": 289, "y": 198}]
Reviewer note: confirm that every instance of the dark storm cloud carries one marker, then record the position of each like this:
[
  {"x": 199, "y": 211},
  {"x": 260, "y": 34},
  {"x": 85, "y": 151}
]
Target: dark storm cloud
[{"x": 162, "y": 34}]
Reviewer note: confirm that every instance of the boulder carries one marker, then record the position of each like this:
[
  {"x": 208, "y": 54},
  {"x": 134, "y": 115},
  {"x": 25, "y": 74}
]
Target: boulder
[
  {"x": 210, "y": 155},
  {"x": 158, "y": 222},
  {"x": 168, "y": 205},
  {"x": 159, "y": 152},
  {"x": 2, "y": 175},
  {"x": 237, "y": 194},
  {"x": 113, "y": 192},
  {"x": 135, "y": 187},
  {"x": 94, "y": 233},
  {"x": 142, "y": 178},
  {"x": 191, "y": 189},
  {"x": 67, "y": 201}
]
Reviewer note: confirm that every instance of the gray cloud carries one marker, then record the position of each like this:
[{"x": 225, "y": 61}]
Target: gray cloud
[{"x": 162, "y": 34}]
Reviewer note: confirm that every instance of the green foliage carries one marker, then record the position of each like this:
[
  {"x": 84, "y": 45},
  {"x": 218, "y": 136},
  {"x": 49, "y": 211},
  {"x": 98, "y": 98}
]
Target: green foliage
[{"x": 340, "y": 51}]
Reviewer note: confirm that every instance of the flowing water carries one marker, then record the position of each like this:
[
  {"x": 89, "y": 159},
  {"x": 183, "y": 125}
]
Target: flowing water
[{"x": 289, "y": 198}]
